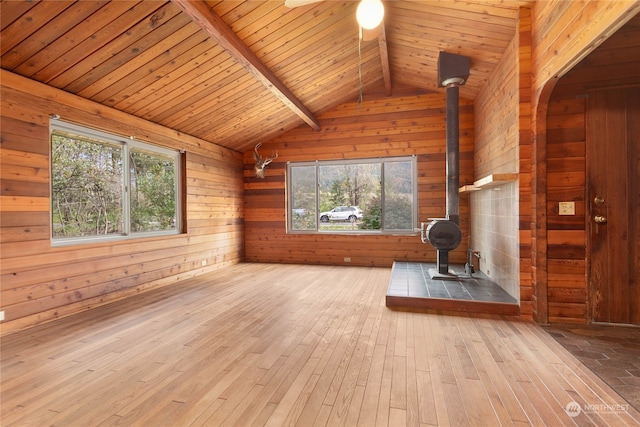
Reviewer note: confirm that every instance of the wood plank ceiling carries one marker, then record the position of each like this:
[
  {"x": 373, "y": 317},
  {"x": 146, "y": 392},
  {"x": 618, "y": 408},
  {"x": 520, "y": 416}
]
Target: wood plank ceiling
[{"x": 239, "y": 72}]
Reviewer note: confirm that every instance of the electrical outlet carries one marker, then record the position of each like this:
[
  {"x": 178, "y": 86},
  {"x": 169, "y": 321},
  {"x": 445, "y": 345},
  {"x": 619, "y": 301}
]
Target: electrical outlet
[
  {"x": 204, "y": 262},
  {"x": 347, "y": 259},
  {"x": 2, "y": 316}
]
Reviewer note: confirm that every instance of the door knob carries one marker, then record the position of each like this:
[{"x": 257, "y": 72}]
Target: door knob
[
  {"x": 598, "y": 200},
  {"x": 600, "y": 219}
]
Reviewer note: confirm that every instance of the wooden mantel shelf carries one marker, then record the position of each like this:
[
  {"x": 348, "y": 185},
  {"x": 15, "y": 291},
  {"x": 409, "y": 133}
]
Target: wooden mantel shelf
[{"x": 489, "y": 181}]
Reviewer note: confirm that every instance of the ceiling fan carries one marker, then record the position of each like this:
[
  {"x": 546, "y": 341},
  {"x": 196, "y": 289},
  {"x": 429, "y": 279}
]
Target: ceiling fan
[{"x": 370, "y": 15}]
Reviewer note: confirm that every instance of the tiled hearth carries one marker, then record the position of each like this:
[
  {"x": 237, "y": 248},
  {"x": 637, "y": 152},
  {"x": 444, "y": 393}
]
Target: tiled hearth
[{"x": 411, "y": 287}]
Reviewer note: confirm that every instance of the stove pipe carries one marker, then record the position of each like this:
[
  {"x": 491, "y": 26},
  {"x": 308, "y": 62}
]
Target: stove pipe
[
  {"x": 453, "y": 153},
  {"x": 453, "y": 71},
  {"x": 445, "y": 234}
]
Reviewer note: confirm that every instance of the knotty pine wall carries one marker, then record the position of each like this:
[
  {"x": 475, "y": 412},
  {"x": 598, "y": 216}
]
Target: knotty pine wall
[
  {"x": 409, "y": 124},
  {"x": 40, "y": 282},
  {"x": 615, "y": 63}
]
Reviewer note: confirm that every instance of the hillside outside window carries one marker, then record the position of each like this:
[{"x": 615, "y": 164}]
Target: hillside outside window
[{"x": 352, "y": 196}]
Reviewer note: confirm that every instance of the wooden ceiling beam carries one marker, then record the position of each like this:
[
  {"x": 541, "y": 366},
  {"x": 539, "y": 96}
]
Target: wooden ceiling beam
[
  {"x": 384, "y": 57},
  {"x": 219, "y": 31},
  {"x": 379, "y": 34}
]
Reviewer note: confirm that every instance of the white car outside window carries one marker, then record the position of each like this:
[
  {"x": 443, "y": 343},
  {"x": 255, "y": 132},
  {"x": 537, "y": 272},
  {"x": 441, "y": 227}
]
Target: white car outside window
[{"x": 342, "y": 213}]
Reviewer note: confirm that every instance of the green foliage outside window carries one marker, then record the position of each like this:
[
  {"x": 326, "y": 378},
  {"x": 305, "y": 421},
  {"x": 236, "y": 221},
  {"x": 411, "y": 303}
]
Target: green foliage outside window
[
  {"x": 102, "y": 186},
  {"x": 87, "y": 187},
  {"x": 372, "y": 219},
  {"x": 383, "y": 189},
  {"x": 153, "y": 199},
  {"x": 398, "y": 195}
]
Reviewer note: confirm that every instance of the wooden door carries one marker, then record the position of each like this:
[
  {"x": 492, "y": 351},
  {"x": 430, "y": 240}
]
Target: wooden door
[{"x": 613, "y": 162}]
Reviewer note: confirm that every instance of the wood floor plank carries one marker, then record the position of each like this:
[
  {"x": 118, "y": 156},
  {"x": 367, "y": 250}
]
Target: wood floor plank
[
  {"x": 412, "y": 411},
  {"x": 322, "y": 418},
  {"x": 427, "y": 413},
  {"x": 384, "y": 406},
  {"x": 369, "y": 409},
  {"x": 399, "y": 383},
  {"x": 301, "y": 401},
  {"x": 354, "y": 407},
  {"x": 344, "y": 399},
  {"x": 509, "y": 375},
  {"x": 290, "y": 389},
  {"x": 504, "y": 405},
  {"x": 293, "y": 345},
  {"x": 436, "y": 353},
  {"x": 397, "y": 417}
]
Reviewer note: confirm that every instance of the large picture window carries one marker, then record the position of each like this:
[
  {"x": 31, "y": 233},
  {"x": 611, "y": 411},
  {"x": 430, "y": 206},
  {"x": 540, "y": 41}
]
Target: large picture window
[
  {"x": 366, "y": 195},
  {"x": 109, "y": 187}
]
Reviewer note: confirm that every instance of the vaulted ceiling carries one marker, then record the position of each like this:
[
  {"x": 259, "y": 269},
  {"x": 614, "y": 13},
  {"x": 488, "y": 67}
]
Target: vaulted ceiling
[{"x": 240, "y": 72}]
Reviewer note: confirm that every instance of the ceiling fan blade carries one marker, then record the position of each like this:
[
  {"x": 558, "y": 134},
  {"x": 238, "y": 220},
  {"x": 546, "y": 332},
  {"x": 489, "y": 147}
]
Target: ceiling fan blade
[{"x": 297, "y": 3}]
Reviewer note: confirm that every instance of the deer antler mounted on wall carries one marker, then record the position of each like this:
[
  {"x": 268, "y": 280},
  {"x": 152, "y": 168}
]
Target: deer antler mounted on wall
[{"x": 260, "y": 162}]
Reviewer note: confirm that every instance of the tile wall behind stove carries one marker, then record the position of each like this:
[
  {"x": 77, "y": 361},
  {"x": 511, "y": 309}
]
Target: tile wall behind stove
[{"x": 494, "y": 234}]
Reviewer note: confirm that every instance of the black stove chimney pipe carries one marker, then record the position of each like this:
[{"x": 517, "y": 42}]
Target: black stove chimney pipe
[
  {"x": 453, "y": 153},
  {"x": 453, "y": 71}
]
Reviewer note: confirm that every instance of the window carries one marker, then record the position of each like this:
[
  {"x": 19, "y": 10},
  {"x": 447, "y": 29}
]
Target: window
[
  {"x": 367, "y": 195},
  {"x": 108, "y": 187}
]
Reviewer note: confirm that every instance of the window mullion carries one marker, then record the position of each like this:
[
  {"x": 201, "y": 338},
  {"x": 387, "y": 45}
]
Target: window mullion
[
  {"x": 317, "y": 167},
  {"x": 382, "y": 204},
  {"x": 126, "y": 191}
]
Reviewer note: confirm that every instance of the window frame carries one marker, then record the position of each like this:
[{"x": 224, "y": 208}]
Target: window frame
[
  {"x": 378, "y": 160},
  {"x": 127, "y": 144}
]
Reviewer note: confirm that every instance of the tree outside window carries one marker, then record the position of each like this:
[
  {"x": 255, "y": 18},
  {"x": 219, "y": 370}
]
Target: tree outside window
[
  {"x": 152, "y": 186},
  {"x": 368, "y": 195},
  {"x": 104, "y": 186},
  {"x": 87, "y": 187}
]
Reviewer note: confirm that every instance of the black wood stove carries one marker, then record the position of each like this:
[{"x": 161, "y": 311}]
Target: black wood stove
[{"x": 444, "y": 233}]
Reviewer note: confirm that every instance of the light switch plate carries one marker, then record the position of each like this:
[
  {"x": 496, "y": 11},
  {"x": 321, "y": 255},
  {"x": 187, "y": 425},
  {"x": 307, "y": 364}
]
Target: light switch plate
[{"x": 567, "y": 208}]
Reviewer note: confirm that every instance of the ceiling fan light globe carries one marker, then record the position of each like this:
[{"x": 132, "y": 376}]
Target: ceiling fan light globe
[{"x": 370, "y": 13}]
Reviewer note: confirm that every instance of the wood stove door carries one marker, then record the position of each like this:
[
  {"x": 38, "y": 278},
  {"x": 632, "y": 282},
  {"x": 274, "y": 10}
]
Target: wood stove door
[{"x": 613, "y": 205}]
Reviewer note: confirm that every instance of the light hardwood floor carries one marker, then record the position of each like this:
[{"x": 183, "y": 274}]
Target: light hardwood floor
[{"x": 281, "y": 345}]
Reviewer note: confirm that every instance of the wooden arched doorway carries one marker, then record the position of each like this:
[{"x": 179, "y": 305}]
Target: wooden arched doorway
[{"x": 613, "y": 204}]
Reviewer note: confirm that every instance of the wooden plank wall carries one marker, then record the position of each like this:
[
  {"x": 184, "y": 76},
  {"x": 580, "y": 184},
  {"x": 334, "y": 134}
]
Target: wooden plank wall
[
  {"x": 562, "y": 33},
  {"x": 565, "y": 32},
  {"x": 503, "y": 141},
  {"x": 614, "y": 64},
  {"x": 497, "y": 134},
  {"x": 525, "y": 145},
  {"x": 39, "y": 282},
  {"x": 405, "y": 124}
]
